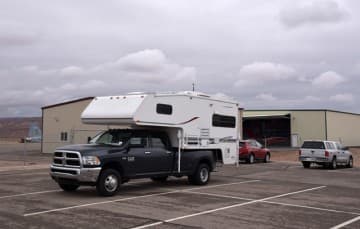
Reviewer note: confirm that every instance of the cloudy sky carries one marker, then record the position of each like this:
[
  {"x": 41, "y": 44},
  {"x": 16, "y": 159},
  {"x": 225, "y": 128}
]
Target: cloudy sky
[{"x": 265, "y": 54}]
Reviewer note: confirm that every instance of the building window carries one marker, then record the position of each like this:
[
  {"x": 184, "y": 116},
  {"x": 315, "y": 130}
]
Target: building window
[
  {"x": 223, "y": 121},
  {"x": 63, "y": 136},
  {"x": 163, "y": 109}
]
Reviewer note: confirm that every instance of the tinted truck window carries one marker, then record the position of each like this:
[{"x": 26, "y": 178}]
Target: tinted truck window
[{"x": 313, "y": 145}]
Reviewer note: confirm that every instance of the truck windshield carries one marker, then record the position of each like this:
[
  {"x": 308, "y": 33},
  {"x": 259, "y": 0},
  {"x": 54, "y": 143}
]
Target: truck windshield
[{"x": 112, "y": 137}]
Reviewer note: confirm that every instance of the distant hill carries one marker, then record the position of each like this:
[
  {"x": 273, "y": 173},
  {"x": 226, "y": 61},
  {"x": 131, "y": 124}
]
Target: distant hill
[{"x": 17, "y": 128}]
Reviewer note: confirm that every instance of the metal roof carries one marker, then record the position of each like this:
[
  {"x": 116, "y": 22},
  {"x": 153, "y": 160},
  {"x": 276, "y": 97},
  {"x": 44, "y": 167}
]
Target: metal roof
[{"x": 67, "y": 102}]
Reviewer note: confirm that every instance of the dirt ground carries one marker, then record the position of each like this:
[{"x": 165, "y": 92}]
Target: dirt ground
[{"x": 292, "y": 155}]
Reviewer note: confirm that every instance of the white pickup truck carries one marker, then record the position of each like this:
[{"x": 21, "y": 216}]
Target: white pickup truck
[{"x": 326, "y": 153}]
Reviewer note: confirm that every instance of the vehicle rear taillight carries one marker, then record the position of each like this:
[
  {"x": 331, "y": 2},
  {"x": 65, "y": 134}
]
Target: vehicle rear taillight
[
  {"x": 326, "y": 153},
  {"x": 299, "y": 152}
]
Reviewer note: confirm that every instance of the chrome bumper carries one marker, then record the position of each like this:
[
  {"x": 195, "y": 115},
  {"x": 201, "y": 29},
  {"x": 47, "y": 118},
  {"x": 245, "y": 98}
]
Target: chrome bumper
[
  {"x": 77, "y": 174},
  {"x": 315, "y": 159}
]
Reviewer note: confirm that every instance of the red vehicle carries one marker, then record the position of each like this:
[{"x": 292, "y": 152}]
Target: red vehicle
[{"x": 251, "y": 150}]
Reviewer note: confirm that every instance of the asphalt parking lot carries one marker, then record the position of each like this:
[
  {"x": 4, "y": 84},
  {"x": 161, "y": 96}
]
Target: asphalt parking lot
[{"x": 273, "y": 195}]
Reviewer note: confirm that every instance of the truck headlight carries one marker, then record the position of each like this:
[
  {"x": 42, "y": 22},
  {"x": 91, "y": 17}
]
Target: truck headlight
[{"x": 90, "y": 160}]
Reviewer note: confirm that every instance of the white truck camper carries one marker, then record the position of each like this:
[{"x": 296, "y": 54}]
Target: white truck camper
[{"x": 192, "y": 120}]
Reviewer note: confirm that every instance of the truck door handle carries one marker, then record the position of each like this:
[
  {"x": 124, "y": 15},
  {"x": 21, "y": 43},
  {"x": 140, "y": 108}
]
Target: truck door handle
[{"x": 147, "y": 152}]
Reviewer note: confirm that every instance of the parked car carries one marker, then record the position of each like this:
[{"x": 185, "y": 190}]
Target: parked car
[
  {"x": 326, "y": 153},
  {"x": 251, "y": 150}
]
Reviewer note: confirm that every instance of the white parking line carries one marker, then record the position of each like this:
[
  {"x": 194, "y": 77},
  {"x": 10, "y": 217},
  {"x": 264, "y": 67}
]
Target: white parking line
[
  {"x": 29, "y": 193},
  {"x": 136, "y": 183},
  {"x": 277, "y": 203},
  {"x": 346, "y": 223},
  {"x": 227, "y": 207},
  {"x": 312, "y": 208},
  {"x": 131, "y": 198},
  {"x": 219, "y": 195}
]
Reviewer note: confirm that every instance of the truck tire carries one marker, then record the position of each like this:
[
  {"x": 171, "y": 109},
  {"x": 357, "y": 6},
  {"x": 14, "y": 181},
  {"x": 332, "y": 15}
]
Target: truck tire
[
  {"x": 159, "y": 179},
  {"x": 306, "y": 164},
  {"x": 350, "y": 163},
  {"x": 333, "y": 163},
  {"x": 201, "y": 176},
  {"x": 68, "y": 187},
  {"x": 108, "y": 183}
]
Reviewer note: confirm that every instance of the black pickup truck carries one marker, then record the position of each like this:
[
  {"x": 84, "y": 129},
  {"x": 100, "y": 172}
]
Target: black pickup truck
[{"x": 118, "y": 155}]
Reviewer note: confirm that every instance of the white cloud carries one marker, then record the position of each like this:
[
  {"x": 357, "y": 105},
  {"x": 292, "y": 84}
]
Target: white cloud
[
  {"x": 266, "y": 97},
  {"x": 222, "y": 96},
  {"x": 328, "y": 79},
  {"x": 30, "y": 68},
  {"x": 318, "y": 11},
  {"x": 149, "y": 66},
  {"x": 72, "y": 70},
  {"x": 16, "y": 34},
  {"x": 342, "y": 98},
  {"x": 149, "y": 60},
  {"x": 68, "y": 87},
  {"x": 259, "y": 72},
  {"x": 93, "y": 84},
  {"x": 311, "y": 98}
]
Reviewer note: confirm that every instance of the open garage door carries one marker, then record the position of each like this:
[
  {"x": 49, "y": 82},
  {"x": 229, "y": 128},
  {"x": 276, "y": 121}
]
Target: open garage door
[{"x": 269, "y": 130}]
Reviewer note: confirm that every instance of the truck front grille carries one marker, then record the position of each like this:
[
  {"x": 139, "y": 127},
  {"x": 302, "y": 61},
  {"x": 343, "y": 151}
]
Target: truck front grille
[{"x": 67, "y": 159}]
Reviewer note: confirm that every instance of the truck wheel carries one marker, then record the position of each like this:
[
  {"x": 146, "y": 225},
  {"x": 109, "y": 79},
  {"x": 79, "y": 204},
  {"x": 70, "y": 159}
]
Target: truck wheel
[
  {"x": 251, "y": 159},
  {"x": 108, "y": 183},
  {"x": 68, "y": 187},
  {"x": 267, "y": 158},
  {"x": 333, "y": 163},
  {"x": 350, "y": 164},
  {"x": 306, "y": 164},
  {"x": 201, "y": 176},
  {"x": 159, "y": 179}
]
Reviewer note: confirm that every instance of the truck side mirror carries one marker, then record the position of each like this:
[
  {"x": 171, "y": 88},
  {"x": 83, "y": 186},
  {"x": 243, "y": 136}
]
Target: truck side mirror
[{"x": 88, "y": 139}]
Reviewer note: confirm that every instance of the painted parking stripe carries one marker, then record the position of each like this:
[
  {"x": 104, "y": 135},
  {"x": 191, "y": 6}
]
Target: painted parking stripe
[
  {"x": 346, "y": 223},
  {"x": 132, "y": 198},
  {"x": 219, "y": 195},
  {"x": 59, "y": 190},
  {"x": 312, "y": 208},
  {"x": 277, "y": 203},
  {"x": 227, "y": 207},
  {"x": 221, "y": 185},
  {"x": 29, "y": 193}
]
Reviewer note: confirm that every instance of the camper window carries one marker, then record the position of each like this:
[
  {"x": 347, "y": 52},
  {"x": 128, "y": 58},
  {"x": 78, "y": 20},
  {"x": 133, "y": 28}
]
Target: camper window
[
  {"x": 163, "y": 109},
  {"x": 223, "y": 121}
]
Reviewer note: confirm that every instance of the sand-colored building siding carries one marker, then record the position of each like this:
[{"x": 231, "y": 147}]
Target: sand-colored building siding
[
  {"x": 308, "y": 125},
  {"x": 343, "y": 127},
  {"x": 65, "y": 118}
]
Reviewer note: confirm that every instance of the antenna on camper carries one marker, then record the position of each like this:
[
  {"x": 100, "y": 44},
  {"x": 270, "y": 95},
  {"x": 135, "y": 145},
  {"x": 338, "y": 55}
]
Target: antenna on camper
[{"x": 193, "y": 86}]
